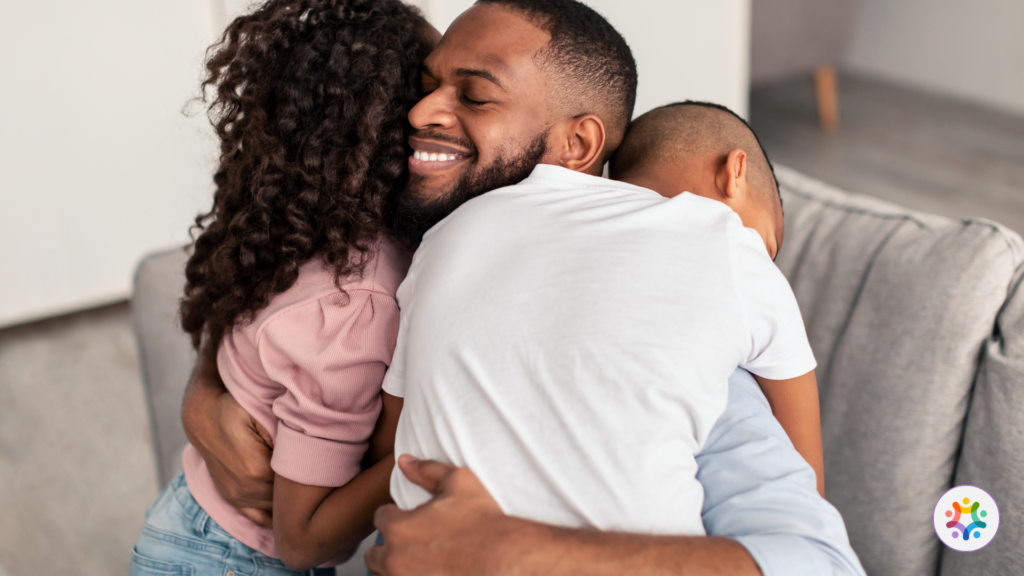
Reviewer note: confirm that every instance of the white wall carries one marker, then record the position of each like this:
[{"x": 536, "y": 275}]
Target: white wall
[
  {"x": 98, "y": 166},
  {"x": 972, "y": 49},
  {"x": 97, "y": 163},
  {"x": 697, "y": 49}
]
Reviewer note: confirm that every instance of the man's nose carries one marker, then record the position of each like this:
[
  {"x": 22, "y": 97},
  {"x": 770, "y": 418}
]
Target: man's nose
[{"x": 433, "y": 111}]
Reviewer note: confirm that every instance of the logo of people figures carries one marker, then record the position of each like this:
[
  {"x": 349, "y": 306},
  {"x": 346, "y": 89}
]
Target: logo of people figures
[{"x": 966, "y": 518}]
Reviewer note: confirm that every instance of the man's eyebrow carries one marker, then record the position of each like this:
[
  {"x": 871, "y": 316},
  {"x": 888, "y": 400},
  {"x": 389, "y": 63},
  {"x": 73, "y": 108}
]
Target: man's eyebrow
[{"x": 478, "y": 73}]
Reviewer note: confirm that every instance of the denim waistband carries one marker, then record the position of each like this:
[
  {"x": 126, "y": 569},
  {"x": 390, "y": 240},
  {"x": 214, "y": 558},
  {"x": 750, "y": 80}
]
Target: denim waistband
[{"x": 193, "y": 511}]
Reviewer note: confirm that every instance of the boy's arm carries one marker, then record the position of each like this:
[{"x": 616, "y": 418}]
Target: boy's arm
[
  {"x": 312, "y": 524},
  {"x": 795, "y": 405}
]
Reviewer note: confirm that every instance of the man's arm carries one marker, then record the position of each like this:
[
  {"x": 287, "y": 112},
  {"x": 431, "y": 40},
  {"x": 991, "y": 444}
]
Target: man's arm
[
  {"x": 760, "y": 492},
  {"x": 761, "y": 508},
  {"x": 235, "y": 447},
  {"x": 462, "y": 531}
]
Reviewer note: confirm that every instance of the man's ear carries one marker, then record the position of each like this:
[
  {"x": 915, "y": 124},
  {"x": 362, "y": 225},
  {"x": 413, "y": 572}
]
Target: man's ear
[
  {"x": 583, "y": 147},
  {"x": 731, "y": 178}
]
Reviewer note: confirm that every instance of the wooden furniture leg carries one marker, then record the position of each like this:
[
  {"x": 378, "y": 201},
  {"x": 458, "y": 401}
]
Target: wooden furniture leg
[{"x": 825, "y": 84}]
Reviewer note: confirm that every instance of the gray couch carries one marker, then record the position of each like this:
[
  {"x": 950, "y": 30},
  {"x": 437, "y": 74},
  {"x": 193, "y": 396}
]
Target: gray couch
[{"x": 918, "y": 328}]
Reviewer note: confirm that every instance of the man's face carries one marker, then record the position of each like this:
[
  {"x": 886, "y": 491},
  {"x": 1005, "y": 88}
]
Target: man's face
[{"x": 482, "y": 123}]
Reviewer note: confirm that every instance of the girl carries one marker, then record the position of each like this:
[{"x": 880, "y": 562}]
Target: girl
[{"x": 293, "y": 284}]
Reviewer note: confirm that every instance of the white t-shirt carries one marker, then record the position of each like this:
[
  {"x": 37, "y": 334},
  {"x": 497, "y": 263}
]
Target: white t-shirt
[{"x": 570, "y": 338}]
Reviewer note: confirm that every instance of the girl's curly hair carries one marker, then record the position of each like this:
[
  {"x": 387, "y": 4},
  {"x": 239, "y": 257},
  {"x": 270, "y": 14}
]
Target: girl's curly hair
[{"x": 310, "y": 104}]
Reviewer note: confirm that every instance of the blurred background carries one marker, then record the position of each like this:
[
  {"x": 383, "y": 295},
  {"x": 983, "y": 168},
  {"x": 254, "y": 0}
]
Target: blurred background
[{"x": 103, "y": 160}]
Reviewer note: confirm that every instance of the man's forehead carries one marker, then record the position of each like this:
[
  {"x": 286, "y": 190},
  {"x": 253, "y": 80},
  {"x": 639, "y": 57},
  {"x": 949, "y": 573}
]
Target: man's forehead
[{"x": 491, "y": 38}]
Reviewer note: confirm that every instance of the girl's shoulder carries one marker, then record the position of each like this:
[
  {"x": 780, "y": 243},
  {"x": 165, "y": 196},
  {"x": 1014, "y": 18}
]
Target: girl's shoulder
[
  {"x": 382, "y": 274},
  {"x": 387, "y": 268}
]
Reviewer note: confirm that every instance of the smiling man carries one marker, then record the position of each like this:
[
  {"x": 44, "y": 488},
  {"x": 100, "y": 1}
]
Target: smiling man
[
  {"x": 509, "y": 88},
  {"x": 512, "y": 85}
]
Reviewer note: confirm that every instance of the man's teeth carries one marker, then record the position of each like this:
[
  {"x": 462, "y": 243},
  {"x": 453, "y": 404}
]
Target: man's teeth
[{"x": 432, "y": 157}]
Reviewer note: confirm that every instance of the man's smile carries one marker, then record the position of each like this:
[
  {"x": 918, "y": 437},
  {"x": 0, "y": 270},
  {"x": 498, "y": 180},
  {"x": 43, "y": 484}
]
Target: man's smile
[{"x": 430, "y": 157}]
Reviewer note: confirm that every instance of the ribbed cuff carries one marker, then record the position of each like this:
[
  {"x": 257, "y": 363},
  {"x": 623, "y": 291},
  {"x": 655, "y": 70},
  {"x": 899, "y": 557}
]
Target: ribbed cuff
[{"x": 315, "y": 461}]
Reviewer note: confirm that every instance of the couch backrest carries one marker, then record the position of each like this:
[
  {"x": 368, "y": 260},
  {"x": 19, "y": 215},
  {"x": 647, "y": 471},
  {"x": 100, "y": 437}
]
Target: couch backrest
[
  {"x": 992, "y": 456},
  {"x": 898, "y": 307}
]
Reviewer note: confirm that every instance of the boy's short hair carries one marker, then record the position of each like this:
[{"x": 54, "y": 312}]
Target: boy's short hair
[{"x": 687, "y": 129}]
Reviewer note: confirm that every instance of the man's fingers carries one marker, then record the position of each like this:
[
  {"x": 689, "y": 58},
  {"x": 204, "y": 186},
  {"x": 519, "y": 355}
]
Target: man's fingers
[
  {"x": 260, "y": 517},
  {"x": 249, "y": 446},
  {"x": 258, "y": 476},
  {"x": 262, "y": 433},
  {"x": 428, "y": 474},
  {"x": 374, "y": 558},
  {"x": 385, "y": 515},
  {"x": 239, "y": 492}
]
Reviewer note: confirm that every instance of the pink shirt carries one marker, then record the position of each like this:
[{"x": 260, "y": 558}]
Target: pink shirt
[{"x": 309, "y": 369}]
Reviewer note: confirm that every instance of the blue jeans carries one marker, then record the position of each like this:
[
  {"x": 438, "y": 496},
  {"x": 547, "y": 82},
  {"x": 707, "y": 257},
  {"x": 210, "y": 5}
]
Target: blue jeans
[{"x": 179, "y": 537}]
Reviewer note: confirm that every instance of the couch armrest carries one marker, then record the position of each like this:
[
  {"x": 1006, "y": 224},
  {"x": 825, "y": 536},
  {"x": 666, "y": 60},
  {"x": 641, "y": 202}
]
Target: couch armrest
[{"x": 165, "y": 352}]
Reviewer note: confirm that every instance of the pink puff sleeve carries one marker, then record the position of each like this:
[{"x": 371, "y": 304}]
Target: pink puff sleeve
[{"x": 329, "y": 355}]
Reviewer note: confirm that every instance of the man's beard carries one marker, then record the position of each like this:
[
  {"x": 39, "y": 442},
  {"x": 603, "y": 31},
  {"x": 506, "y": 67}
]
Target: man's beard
[{"x": 412, "y": 216}]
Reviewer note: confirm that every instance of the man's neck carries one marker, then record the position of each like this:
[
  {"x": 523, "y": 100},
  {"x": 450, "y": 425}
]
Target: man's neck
[{"x": 595, "y": 169}]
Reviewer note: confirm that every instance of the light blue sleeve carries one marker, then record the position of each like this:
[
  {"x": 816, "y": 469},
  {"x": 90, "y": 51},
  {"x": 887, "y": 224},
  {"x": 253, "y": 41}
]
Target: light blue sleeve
[{"x": 760, "y": 492}]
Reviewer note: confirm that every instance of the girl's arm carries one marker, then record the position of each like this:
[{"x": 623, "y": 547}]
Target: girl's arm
[
  {"x": 312, "y": 524},
  {"x": 795, "y": 405}
]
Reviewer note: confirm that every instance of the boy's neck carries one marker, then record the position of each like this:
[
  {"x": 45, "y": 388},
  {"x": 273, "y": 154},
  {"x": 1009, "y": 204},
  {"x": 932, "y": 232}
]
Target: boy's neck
[{"x": 652, "y": 180}]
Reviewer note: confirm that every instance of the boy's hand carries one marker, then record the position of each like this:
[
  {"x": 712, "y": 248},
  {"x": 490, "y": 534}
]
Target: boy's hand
[
  {"x": 236, "y": 448},
  {"x": 444, "y": 535}
]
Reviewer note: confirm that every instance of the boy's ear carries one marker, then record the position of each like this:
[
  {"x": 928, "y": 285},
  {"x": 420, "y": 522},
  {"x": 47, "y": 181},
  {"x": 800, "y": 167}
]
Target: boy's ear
[
  {"x": 583, "y": 146},
  {"x": 731, "y": 179}
]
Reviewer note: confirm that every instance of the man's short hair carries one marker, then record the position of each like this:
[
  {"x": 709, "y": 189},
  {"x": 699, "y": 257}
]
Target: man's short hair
[
  {"x": 589, "y": 56},
  {"x": 685, "y": 129}
]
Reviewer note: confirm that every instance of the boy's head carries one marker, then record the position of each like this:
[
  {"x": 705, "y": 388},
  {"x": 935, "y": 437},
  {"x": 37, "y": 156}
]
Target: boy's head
[{"x": 707, "y": 150}]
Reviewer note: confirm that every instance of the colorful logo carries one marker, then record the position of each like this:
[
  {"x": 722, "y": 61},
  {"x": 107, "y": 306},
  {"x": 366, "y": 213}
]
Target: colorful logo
[{"x": 966, "y": 518}]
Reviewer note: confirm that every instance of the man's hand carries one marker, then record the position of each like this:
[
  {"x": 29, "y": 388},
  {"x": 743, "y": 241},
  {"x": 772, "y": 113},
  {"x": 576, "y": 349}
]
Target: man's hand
[
  {"x": 235, "y": 447},
  {"x": 463, "y": 532},
  {"x": 448, "y": 534}
]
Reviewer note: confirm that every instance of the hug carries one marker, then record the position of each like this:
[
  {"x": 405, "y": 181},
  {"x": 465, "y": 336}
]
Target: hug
[{"x": 420, "y": 308}]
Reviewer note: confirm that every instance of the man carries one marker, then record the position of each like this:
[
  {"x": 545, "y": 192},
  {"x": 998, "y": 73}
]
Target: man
[{"x": 513, "y": 84}]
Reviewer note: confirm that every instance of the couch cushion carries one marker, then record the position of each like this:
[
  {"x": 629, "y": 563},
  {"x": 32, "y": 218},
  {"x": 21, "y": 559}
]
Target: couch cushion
[
  {"x": 992, "y": 457},
  {"x": 897, "y": 306}
]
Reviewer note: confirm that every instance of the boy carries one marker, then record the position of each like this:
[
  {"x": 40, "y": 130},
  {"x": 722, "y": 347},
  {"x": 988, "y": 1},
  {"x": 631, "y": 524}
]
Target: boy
[{"x": 681, "y": 147}]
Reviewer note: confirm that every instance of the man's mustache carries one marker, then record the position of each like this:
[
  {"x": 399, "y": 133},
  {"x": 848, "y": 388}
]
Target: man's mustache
[{"x": 441, "y": 137}]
